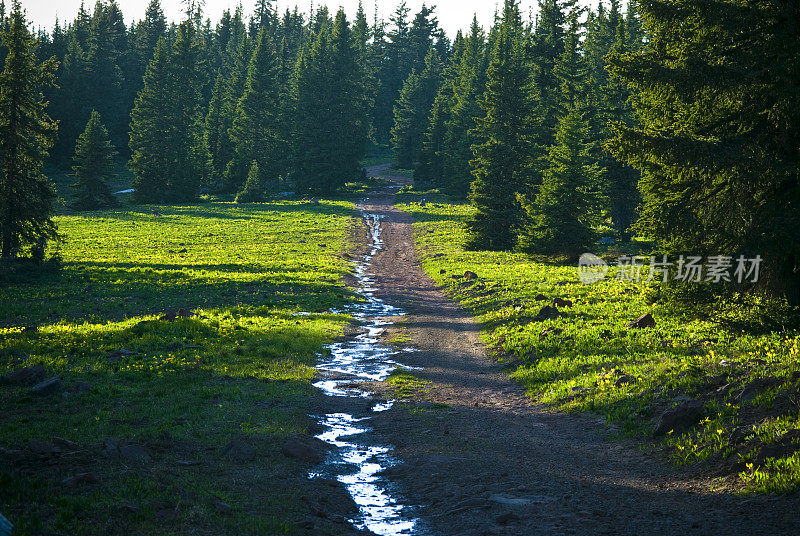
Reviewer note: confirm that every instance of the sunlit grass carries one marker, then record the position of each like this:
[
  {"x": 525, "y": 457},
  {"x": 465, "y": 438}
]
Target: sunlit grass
[
  {"x": 579, "y": 368},
  {"x": 238, "y": 364}
]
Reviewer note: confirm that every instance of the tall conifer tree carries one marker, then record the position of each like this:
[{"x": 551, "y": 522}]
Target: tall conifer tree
[
  {"x": 26, "y": 134},
  {"x": 93, "y": 166}
]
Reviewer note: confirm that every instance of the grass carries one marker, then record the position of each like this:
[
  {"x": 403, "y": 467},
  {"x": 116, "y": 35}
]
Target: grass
[
  {"x": 405, "y": 385},
  {"x": 238, "y": 365},
  {"x": 749, "y": 383}
]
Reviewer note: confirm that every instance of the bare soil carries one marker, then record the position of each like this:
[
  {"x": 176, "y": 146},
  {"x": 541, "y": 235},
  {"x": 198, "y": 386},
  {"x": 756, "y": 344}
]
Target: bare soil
[{"x": 479, "y": 457}]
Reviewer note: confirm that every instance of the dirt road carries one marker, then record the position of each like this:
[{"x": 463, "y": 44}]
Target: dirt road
[{"x": 480, "y": 458}]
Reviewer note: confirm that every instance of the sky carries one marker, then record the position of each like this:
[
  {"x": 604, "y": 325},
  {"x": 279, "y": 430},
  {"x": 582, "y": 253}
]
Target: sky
[{"x": 453, "y": 14}]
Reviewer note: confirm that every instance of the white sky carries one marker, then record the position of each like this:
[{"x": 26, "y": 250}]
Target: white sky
[{"x": 453, "y": 14}]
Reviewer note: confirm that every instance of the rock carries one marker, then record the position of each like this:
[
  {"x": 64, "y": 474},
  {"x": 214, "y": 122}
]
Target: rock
[
  {"x": 41, "y": 447},
  {"x": 23, "y": 376},
  {"x": 134, "y": 454},
  {"x": 81, "y": 478},
  {"x": 624, "y": 380},
  {"x": 511, "y": 501},
  {"x": 754, "y": 388},
  {"x": 505, "y": 519},
  {"x": 559, "y": 302},
  {"x": 239, "y": 451},
  {"x": 47, "y": 387},
  {"x": 64, "y": 445},
  {"x": 644, "y": 321},
  {"x": 546, "y": 313},
  {"x": 552, "y": 330},
  {"x": 222, "y": 508},
  {"x": 116, "y": 355},
  {"x": 679, "y": 418},
  {"x": 294, "y": 448},
  {"x": 83, "y": 387},
  {"x": 470, "y": 275}
]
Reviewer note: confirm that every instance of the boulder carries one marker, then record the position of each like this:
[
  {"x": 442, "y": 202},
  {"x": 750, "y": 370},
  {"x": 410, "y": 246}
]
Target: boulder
[
  {"x": 239, "y": 451},
  {"x": 24, "y": 376},
  {"x": 644, "y": 321},
  {"x": 295, "y": 448},
  {"x": 546, "y": 313},
  {"x": 47, "y": 387},
  {"x": 679, "y": 418}
]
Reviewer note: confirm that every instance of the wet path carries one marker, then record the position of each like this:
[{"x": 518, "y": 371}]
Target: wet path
[{"x": 359, "y": 458}]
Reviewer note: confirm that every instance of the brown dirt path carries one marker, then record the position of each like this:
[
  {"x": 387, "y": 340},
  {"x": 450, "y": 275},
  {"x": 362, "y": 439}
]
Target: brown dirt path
[{"x": 492, "y": 462}]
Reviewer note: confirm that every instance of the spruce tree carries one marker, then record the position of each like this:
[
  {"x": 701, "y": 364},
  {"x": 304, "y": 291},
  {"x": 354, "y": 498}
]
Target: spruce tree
[
  {"x": 460, "y": 134},
  {"x": 502, "y": 160},
  {"x": 255, "y": 133},
  {"x": 411, "y": 113},
  {"x": 715, "y": 90},
  {"x": 331, "y": 122},
  {"x": 26, "y": 134},
  {"x": 254, "y": 187},
  {"x": 168, "y": 153},
  {"x": 567, "y": 208},
  {"x": 93, "y": 166}
]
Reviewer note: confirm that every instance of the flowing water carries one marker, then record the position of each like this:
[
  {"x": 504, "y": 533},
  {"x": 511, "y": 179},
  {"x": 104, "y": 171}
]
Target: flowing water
[{"x": 358, "y": 458}]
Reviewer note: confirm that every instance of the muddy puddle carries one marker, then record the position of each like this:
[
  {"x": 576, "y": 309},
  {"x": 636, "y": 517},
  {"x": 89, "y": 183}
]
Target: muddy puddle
[{"x": 359, "y": 458}]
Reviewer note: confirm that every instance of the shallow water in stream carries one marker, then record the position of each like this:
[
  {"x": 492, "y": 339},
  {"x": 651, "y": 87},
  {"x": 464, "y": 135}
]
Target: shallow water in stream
[{"x": 358, "y": 458}]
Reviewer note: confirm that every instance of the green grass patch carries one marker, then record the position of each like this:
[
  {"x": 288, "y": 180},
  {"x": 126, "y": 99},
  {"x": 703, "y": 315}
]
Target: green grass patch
[
  {"x": 588, "y": 360},
  {"x": 404, "y": 384},
  {"x": 183, "y": 324}
]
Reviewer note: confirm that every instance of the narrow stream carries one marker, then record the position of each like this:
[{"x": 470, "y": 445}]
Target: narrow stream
[{"x": 358, "y": 458}]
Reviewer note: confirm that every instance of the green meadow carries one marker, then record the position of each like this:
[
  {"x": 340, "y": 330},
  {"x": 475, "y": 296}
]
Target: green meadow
[
  {"x": 588, "y": 360},
  {"x": 176, "y": 329}
]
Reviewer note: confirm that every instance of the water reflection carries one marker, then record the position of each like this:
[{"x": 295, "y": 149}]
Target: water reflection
[{"x": 357, "y": 462}]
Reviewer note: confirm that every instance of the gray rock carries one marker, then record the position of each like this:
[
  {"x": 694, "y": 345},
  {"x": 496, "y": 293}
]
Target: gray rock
[
  {"x": 679, "y": 418},
  {"x": 294, "y": 448},
  {"x": 47, "y": 387},
  {"x": 81, "y": 478},
  {"x": 239, "y": 451},
  {"x": 24, "y": 376},
  {"x": 644, "y": 321},
  {"x": 133, "y": 453}
]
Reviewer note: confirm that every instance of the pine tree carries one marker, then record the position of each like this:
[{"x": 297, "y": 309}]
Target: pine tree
[
  {"x": 93, "y": 167},
  {"x": 567, "y": 207},
  {"x": 715, "y": 90},
  {"x": 255, "y": 132},
  {"x": 502, "y": 161},
  {"x": 168, "y": 154},
  {"x": 411, "y": 114},
  {"x": 460, "y": 133},
  {"x": 26, "y": 134},
  {"x": 254, "y": 187},
  {"x": 331, "y": 122}
]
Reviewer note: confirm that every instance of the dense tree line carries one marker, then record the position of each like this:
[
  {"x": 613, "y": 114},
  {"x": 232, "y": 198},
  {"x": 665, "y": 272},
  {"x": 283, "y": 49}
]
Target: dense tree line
[{"x": 677, "y": 120}]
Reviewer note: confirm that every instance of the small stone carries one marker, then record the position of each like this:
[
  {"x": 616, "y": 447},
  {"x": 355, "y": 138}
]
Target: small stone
[
  {"x": 505, "y": 519},
  {"x": 624, "y": 380},
  {"x": 222, "y": 508},
  {"x": 470, "y": 275},
  {"x": 644, "y": 321},
  {"x": 64, "y": 445},
  {"x": 294, "y": 448},
  {"x": 679, "y": 418},
  {"x": 239, "y": 451},
  {"x": 41, "y": 447},
  {"x": 24, "y": 376},
  {"x": 134, "y": 454},
  {"x": 81, "y": 478},
  {"x": 559, "y": 302},
  {"x": 546, "y": 313},
  {"x": 47, "y": 387}
]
